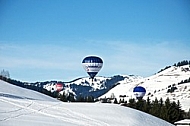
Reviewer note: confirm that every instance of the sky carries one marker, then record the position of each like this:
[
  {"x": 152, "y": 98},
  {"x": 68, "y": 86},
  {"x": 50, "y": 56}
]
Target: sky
[{"x": 47, "y": 40}]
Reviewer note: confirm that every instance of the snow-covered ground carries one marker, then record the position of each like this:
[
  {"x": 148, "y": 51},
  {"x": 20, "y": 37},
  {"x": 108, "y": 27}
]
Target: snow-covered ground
[
  {"x": 23, "y": 107},
  {"x": 157, "y": 86}
]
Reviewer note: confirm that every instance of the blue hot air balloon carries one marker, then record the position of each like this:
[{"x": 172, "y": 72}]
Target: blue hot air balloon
[
  {"x": 139, "y": 92},
  {"x": 92, "y": 65}
]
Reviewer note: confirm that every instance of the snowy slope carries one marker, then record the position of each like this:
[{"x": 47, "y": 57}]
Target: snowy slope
[
  {"x": 85, "y": 86},
  {"x": 22, "y": 107},
  {"x": 158, "y": 85}
]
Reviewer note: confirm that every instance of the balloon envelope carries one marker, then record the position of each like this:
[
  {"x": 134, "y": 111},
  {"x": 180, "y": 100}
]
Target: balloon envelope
[
  {"x": 59, "y": 87},
  {"x": 139, "y": 92},
  {"x": 92, "y": 65}
]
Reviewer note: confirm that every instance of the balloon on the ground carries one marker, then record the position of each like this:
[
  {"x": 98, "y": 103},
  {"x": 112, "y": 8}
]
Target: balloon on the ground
[{"x": 92, "y": 65}]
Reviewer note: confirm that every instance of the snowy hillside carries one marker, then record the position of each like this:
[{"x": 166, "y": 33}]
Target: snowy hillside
[
  {"x": 86, "y": 87},
  {"x": 159, "y": 86},
  {"x": 23, "y": 107}
]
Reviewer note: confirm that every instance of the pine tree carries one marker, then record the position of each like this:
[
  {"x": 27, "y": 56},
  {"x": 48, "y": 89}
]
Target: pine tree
[
  {"x": 161, "y": 108},
  {"x": 167, "y": 103},
  {"x": 80, "y": 98},
  {"x": 140, "y": 104},
  {"x": 115, "y": 101},
  {"x": 165, "y": 109},
  {"x": 173, "y": 113},
  {"x": 70, "y": 97},
  {"x": 161, "y": 103},
  {"x": 188, "y": 114},
  {"x": 147, "y": 106},
  {"x": 181, "y": 112},
  {"x": 121, "y": 100},
  {"x": 63, "y": 97},
  {"x": 132, "y": 103},
  {"x": 5, "y": 73},
  {"x": 89, "y": 99},
  {"x": 155, "y": 108}
]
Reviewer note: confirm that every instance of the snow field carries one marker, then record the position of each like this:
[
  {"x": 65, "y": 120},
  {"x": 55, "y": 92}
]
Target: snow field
[{"x": 17, "y": 109}]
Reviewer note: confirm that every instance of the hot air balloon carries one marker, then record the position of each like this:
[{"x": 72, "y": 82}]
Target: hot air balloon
[
  {"x": 59, "y": 87},
  {"x": 92, "y": 65},
  {"x": 139, "y": 92}
]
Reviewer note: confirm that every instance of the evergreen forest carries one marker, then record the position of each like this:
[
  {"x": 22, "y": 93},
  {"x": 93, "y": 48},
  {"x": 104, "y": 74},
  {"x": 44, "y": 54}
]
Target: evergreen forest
[{"x": 166, "y": 110}]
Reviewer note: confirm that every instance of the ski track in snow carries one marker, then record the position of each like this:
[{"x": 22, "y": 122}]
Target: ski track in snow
[
  {"x": 19, "y": 110},
  {"x": 33, "y": 106}
]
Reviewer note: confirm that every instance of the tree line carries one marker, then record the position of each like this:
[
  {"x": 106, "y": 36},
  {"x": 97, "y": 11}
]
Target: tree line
[
  {"x": 69, "y": 97},
  {"x": 181, "y": 63},
  {"x": 166, "y": 110}
]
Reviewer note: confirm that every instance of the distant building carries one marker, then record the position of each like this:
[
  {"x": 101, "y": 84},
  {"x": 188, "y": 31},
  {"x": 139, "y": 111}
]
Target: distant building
[{"x": 185, "y": 122}]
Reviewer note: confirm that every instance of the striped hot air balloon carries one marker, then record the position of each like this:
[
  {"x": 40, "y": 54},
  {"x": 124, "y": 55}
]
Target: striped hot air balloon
[
  {"x": 139, "y": 92},
  {"x": 92, "y": 65},
  {"x": 59, "y": 87}
]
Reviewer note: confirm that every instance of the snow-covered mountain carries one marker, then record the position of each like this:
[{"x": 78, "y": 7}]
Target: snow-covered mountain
[
  {"x": 172, "y": 83},
  {"x": 86, "y": 87},
  {"x": 24, "y": 107}
]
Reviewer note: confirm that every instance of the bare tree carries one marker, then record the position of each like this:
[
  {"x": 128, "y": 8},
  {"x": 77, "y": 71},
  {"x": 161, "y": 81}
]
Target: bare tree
[{"x": 5, "y": 73}]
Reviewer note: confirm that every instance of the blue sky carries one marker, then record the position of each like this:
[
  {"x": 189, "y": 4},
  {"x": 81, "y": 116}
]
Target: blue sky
[{"x": 47, "y": 39}]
